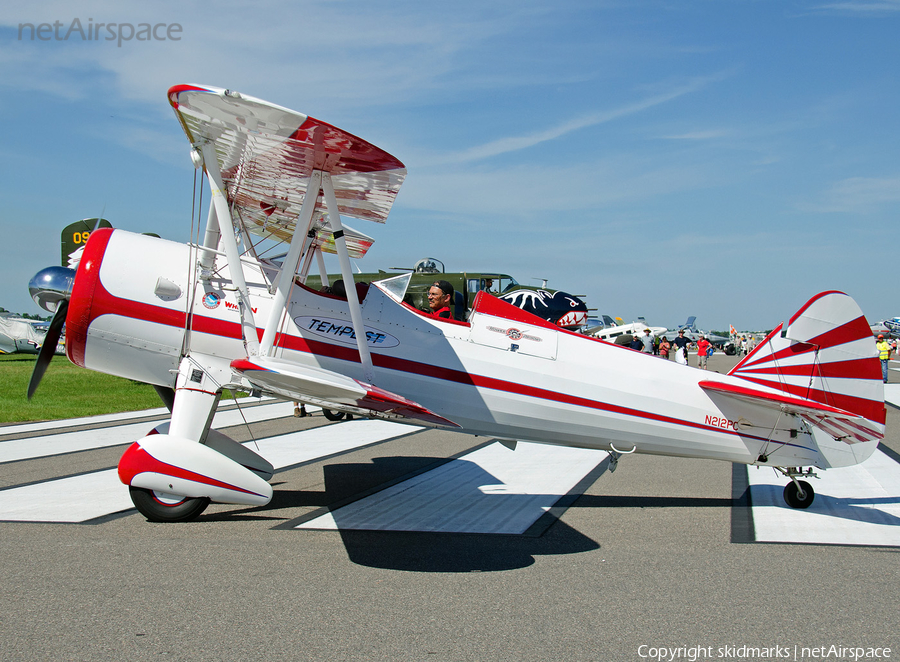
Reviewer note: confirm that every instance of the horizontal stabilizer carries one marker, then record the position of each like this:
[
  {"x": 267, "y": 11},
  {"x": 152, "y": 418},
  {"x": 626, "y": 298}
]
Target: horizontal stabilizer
[
  {"x": 331, "y": 390},
  {"x": 840, "y": 424}
]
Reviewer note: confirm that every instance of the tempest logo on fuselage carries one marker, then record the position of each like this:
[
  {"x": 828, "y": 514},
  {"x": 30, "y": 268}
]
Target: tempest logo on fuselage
[{"x": 342, "y": 331}]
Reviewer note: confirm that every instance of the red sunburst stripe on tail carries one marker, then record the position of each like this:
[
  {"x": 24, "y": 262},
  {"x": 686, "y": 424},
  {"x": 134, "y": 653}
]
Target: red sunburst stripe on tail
[
  {"x": 844, "y": 429},
  {"x": 856, "y": 329},
  {"x": 830, "y": 359}
]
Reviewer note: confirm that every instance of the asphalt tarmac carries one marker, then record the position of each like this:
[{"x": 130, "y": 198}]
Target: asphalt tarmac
[{"x": 648, "y": 562}]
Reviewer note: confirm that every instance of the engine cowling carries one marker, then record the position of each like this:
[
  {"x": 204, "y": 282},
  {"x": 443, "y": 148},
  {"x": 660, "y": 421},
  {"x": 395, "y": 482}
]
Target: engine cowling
[{"x": 127, "y": 310}]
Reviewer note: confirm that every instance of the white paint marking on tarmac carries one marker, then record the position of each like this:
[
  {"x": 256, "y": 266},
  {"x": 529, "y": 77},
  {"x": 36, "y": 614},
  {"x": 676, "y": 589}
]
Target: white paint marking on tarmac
[
  {"x": 86, "y": 497},
  {"x": 69, "y": 442},
  {"x": 490, "y": 490},
  {"x": 73, "y": 499},
  {"x": 857, "y": 505}
]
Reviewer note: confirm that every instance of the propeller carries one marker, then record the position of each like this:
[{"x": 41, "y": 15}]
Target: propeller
[
  {"x": 50, "y": 289},
  {"x": 48, "y": 349}
]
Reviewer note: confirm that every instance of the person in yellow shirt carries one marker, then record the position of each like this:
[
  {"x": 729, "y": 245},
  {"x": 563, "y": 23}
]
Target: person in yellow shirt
[{"x": 884, "y": 354}]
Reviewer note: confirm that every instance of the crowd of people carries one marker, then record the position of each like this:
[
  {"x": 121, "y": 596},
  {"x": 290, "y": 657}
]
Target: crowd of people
[{"x": 679, "y": 346}]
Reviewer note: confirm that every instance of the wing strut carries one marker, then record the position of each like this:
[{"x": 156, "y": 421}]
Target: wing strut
[
  {"x": 323, "y": 272},
  {"x": 319, "y": 180},
  {"x": 340, "y": 243},
  {"x": 290, "y": 264},
  {"x": 210, "y": 240},
  {"x": 223, "y": 215}
]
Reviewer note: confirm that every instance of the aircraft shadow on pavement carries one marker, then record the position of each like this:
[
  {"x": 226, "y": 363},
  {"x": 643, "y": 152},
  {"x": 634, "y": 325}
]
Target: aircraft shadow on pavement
[
  {"x": 863, "y": 509},
  {"x": 459, "y": 552},
  {"x": 615, "y": 501},
  {"x": 419, "y": 551}
]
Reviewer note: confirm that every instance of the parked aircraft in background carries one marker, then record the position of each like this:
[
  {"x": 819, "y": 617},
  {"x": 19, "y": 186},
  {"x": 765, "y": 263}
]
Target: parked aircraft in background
[
  {"x": 560, "y": 308},
  {"x": 893, "y": 326},
  {"x": 194, "y": 319},
  {"x": 622, "y": 334},
  {"x": 692, "y": 333},
  {"x": 553, "y": 306},
  {"x": 20, "y": 335},
  {"x": 75, "y": 236}
]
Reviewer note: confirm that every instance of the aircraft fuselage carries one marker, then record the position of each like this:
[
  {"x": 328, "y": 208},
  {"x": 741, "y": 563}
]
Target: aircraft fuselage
[{"x": 138, "y": 306}]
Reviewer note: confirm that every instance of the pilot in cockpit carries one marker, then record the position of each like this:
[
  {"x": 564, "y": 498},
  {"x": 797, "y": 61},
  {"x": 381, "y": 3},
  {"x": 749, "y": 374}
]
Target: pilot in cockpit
[{"x": 440, "y": 296}]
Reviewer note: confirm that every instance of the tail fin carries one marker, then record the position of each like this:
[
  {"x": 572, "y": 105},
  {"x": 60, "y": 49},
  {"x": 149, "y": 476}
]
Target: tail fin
[
  {"x": 827, "y": 355},
  {"x": 75, "y": 236}
]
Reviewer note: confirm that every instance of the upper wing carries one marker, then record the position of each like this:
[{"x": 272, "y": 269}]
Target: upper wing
[
  {"x": 331, "y": 390},
  {"x": 266, "y": 154}
]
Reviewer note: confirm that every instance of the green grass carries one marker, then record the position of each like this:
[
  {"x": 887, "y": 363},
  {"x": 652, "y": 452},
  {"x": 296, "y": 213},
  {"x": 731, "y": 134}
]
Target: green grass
[{"x": 66, "y": 391}]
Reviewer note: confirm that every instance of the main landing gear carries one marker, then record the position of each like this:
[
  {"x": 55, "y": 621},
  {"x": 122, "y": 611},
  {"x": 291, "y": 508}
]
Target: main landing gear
[
  {"x": 336, "y": 415},
  {"x": 160, "y": 507},
  {"x": 798, "y": 493}
]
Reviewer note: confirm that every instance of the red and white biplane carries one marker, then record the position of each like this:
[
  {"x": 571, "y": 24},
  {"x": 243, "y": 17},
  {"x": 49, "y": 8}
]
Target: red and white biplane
[{"x": 193, "y": 319}]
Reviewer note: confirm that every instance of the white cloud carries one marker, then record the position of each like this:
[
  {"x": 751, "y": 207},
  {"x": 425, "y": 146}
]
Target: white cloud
[
  {"x": 516, "y": 143},
  {"x": 863, "y": 6},
  {"x": 857, "y": 195}
]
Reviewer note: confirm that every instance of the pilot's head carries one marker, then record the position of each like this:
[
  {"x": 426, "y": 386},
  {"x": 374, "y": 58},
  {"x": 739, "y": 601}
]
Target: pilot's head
[{"x": 440, "y": 295}]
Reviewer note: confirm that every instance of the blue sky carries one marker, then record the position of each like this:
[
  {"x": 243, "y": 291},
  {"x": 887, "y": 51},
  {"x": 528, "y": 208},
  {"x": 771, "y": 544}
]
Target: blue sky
[{"x": 726, "y": 158}]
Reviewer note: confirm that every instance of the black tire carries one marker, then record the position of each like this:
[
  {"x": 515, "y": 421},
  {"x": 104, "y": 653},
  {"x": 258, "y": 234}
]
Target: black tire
[
  {"x": 792, "y": 495},
  {"x": 333, "y": 415},
  {"x": 157, "y": 510}
]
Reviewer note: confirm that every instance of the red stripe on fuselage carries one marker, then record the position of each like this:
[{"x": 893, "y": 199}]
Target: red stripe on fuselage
[
  {"x": 408, "y": 366},
  {"x": 90, "y": 300}
]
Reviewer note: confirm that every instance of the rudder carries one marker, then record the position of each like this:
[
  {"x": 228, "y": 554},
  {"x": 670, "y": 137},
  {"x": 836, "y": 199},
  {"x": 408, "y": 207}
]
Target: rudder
[{"x": 825, "y": 354}]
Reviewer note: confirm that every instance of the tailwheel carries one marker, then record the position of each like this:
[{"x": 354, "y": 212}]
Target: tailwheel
[
  {"x": 799, "y": 494},
  {"x": 161, "y": 507},
  {"x": 334, "y": 415}
]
